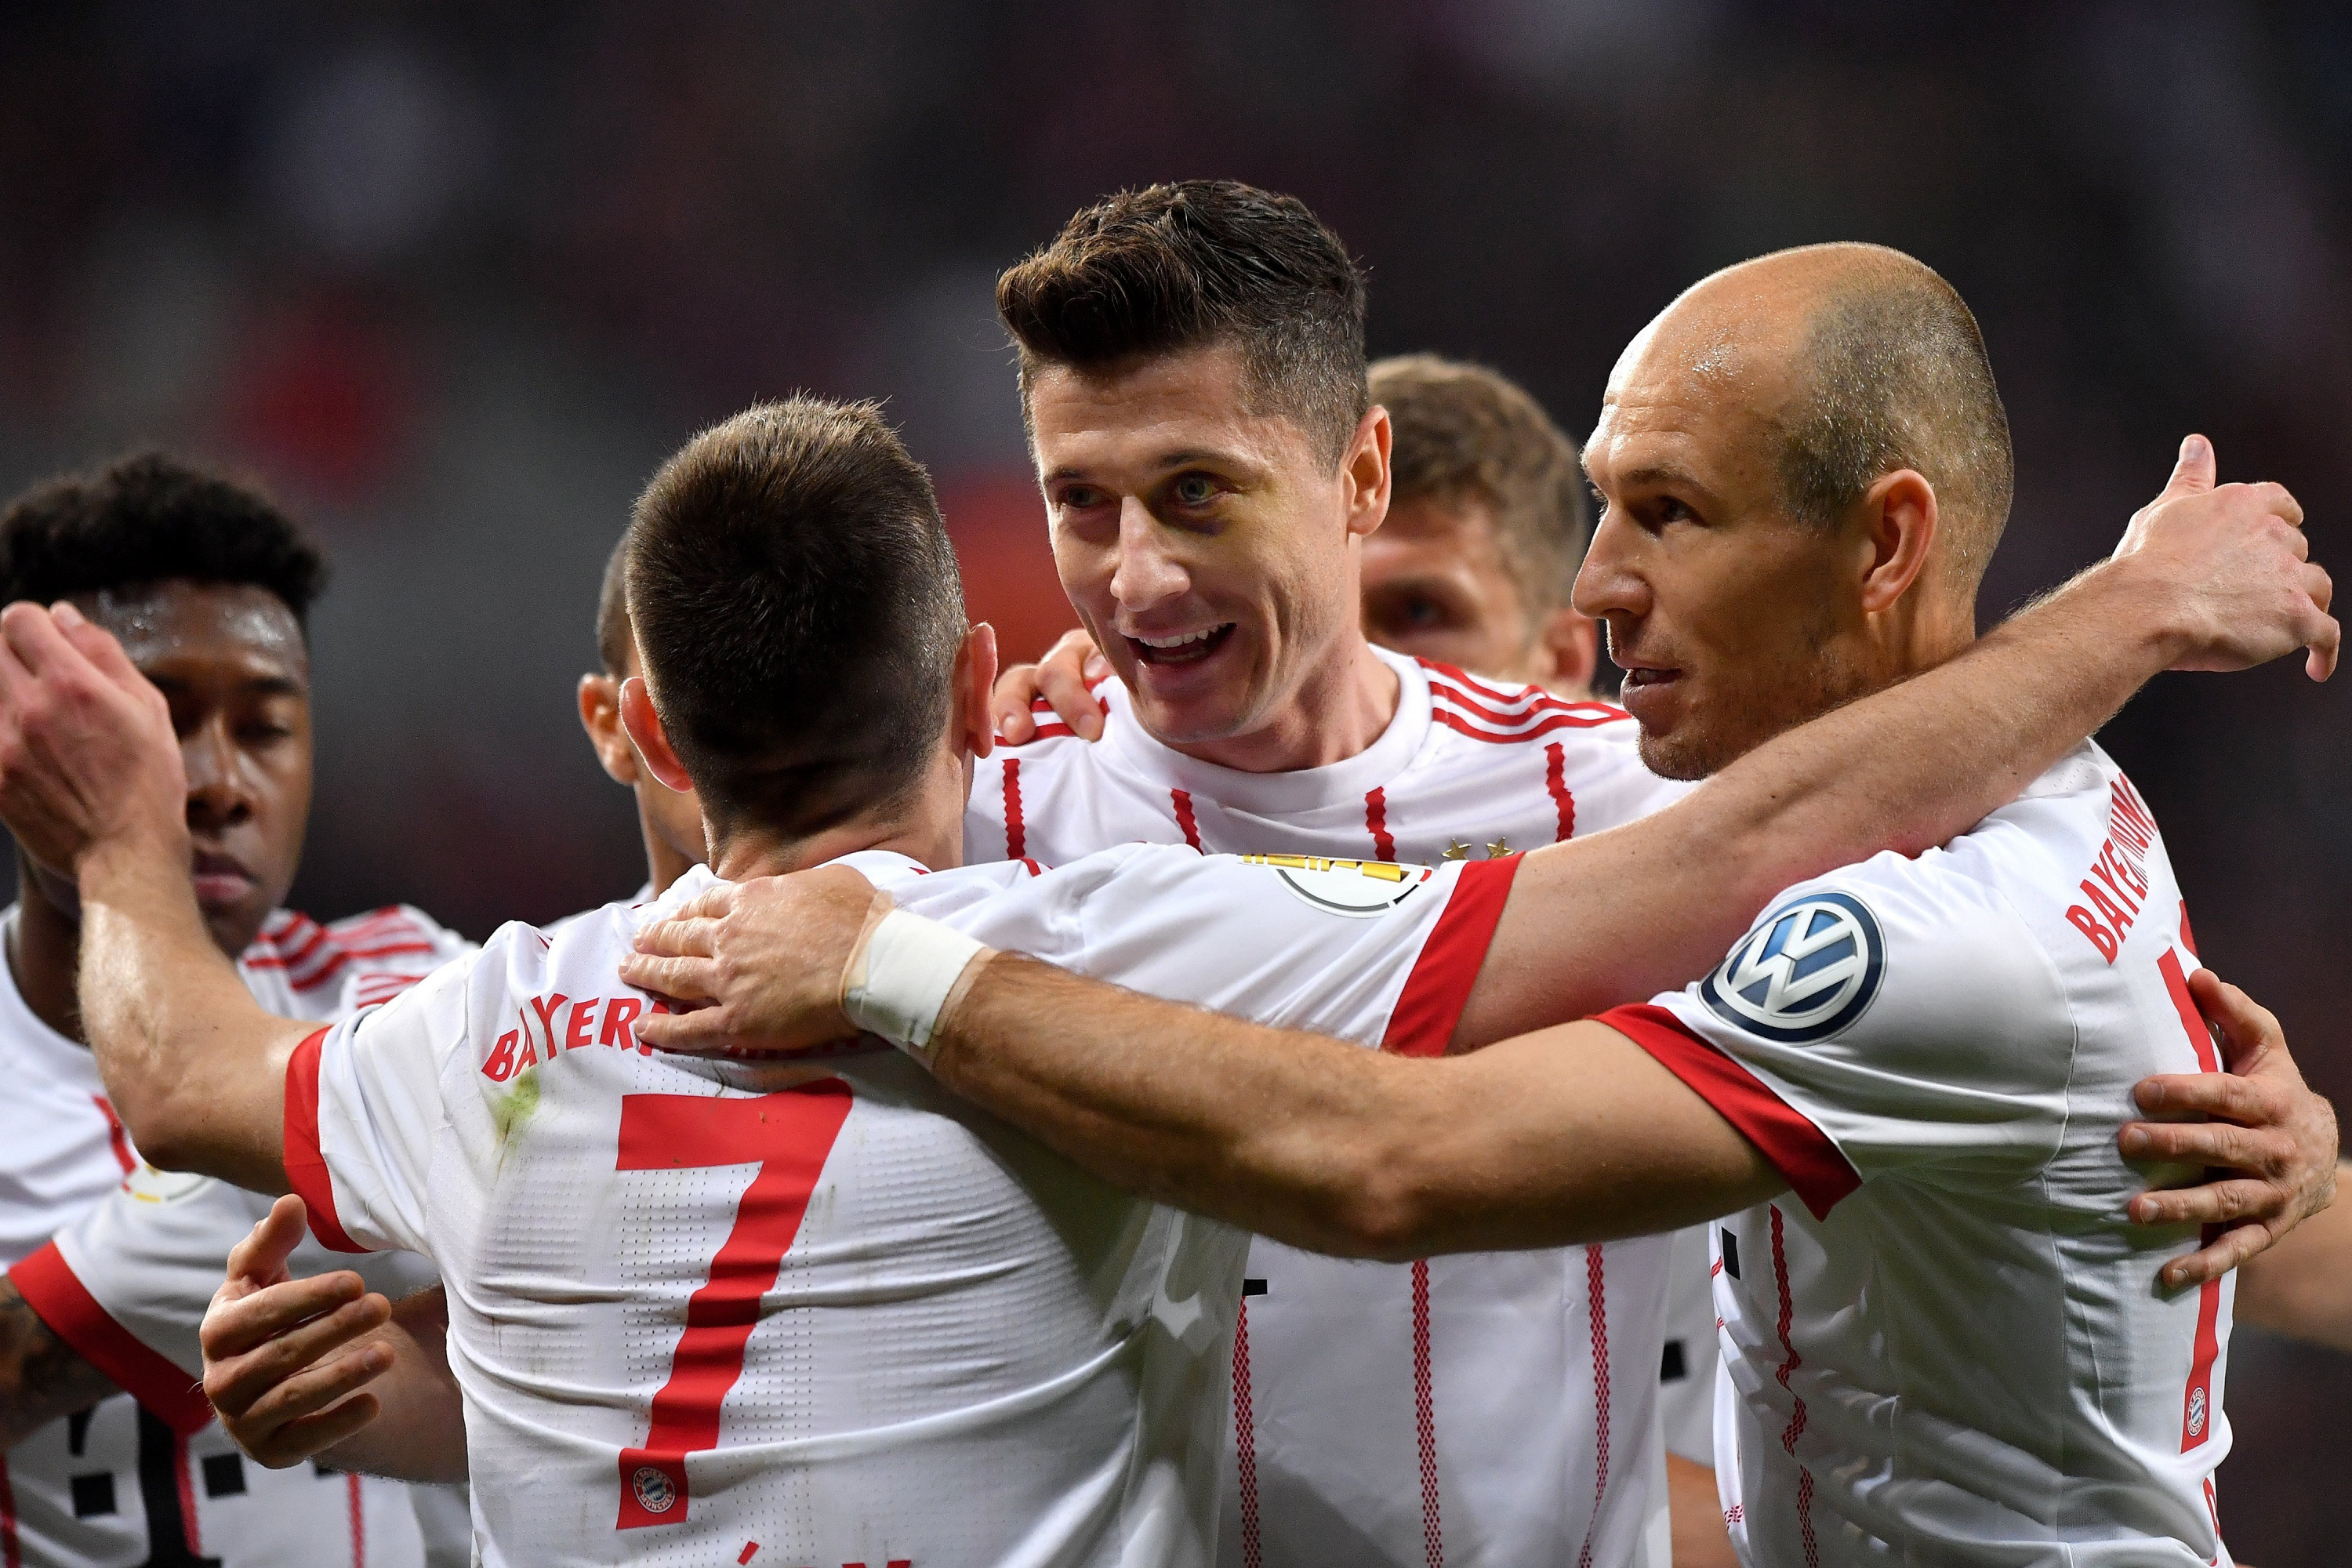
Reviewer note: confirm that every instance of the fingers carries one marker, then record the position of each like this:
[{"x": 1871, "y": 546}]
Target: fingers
[
  {"x": 2247, "y": 1029},
  {"x": 299, "y": 1440},
  {"x": 2253, "y": 1101},
  {"x": 702, "y": 1032},
  {"x": 1009, "y": 703},
  {"x": 236, "y": 1326},
  {"x": 681, "y": 979},
  {"x": 96, "y": 644},
  {"x": 2223, "y": 1145},
  {"x": 237, "y": 1384},
  {"x": 2232, "y": 1201},
  {"x": 681, "y": 937},
  {"x": 2194, "y": 470},
  {"x": 1062, "y": 677},
  {"x": 713, "y": 904},
  {"x": 260, "y": 1258},
  {"x": 2217, "y": 1258}
]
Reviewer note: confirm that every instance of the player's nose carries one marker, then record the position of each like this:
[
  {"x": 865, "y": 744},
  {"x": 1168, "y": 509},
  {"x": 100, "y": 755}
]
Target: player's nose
[
  {"x": 1147, "y": 572},
  {"x": 218, "y": 795}
]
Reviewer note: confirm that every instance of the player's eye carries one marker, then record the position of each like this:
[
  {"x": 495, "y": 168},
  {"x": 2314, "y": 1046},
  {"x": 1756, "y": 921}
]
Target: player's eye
[
  {"x": 1423, "y": 615},
  {"x": 1194, "y": 490},
  {"x": 1080, "y": 498}
]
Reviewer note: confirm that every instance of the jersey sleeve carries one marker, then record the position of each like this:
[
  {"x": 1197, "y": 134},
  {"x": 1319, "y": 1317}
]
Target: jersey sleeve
[
  {"x": 1381, "y": 953},
  {"x": 390, "y": 950},
  {"x": 363, "y": 1108},
  {"x": 1895, "y": 1017}
]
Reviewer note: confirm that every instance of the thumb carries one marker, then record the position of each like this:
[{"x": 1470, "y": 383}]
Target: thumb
[
  {"x": 261, "y": 1257},
  {"x": 2195, "y": 472}
]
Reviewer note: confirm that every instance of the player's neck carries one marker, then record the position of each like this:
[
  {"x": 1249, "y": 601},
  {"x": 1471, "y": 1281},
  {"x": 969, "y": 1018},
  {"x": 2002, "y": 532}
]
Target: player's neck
[
  {"x": 926, "y": 828},
  {"x": 1341, "y": 707},
  {"x": 44, "y": 952}
]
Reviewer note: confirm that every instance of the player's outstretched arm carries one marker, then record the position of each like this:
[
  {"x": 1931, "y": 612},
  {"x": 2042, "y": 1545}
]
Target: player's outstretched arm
[
  {"x": 2303, "y": 1287},
  {"x": 91, "y": 782},
  {"x": 318, "y": 1368}
]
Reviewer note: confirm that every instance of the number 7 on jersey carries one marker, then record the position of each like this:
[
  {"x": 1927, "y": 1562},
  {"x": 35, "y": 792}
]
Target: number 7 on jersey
[{"x": 788, "y": 1136}]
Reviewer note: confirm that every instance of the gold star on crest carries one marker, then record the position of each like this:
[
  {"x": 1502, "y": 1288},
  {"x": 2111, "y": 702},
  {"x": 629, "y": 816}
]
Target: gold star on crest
[
  {"x": 1498, "y": 849},
  {"x": 1457, "y": 850}
]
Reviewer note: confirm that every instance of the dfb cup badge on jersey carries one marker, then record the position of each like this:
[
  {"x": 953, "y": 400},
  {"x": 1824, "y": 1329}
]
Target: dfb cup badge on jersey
[
  {"x": 1808, "y": 969},
  {"x": 1361, "y": 889},
  {"x": 655, "y": 1493}
]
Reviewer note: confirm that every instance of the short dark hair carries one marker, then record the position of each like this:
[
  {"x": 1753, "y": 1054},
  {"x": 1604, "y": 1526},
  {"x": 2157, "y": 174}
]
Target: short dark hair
[
  {"x": 1899, "y": 379},
  {"x": 798, "y": 611},
  {"x": 1198, "y": 263},
  {"x": 612, "y": 633},
  {"x": 149, "y": 518},
  {"x": 1465, "y": 432}
]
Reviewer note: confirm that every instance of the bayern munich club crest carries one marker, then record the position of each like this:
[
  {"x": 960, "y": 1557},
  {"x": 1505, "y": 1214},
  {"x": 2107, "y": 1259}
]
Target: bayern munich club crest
[
  {"x": 1808, "y": 969},
  {"x": 2197, "y": 1412},
  {"x": 654, "y": 1492}
]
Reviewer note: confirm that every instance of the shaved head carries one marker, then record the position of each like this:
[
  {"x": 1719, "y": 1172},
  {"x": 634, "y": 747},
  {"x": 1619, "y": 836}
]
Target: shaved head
[
  {"x": 1862, "y": 361},
  {"x": 1804, "y": 468}
]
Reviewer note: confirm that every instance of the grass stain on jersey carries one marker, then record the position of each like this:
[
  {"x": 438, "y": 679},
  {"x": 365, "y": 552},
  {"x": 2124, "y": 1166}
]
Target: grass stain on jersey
[{"x": 511, "y": 1109}]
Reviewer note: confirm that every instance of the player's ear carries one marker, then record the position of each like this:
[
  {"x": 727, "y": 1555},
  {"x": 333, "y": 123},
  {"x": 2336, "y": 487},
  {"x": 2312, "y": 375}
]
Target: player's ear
[
  {"x": 1900, "y": 521},
  {"x": 1567, "y": 654},
  {"x": 975, "y": 678},
  {"x": 1366, "y": 467},
  {"x": 645, "y": 728},
  {"x": 600, "y": 715}
]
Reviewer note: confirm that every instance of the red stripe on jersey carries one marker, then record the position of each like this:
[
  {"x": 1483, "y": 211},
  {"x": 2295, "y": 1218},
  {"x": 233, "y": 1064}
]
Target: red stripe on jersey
[
  {"x": 1016, "y": 832},
  {"x": 2196, "y": 1412},
  {"x": 334, "y": 966},
  {"x": 1376, "y": 823},
  {"x": 52, "y": 1288},
  {"x": 1549, "y": 722},
  {"x": 115, "y": 1135},
  {"x": 1048, "y": 722},
  {"x": 184, "y": 1471},
  {"x": 1597, "y": 1310},
  {"x": 1423, "y": 1023},
  {"x": 1800, "y": 1151},
  {"x": 1796, "y": 1428},
  {"x": 1424, "y": 1420},
  {"x": 2192, "y": 1022},
  {"x": 1514, "y": 714},
  {"x": 310, "y": 944},
  {"x": 1245, "y": 1438},
  {"x": 2188, "y": 937},
  {"x": 306, "y": 1167},
  {"x": 1183, "y": 804},
  {"x": 12, "y": 1555},
  {"x": 1556, "y": 781},
  {"x": 1034, "y": 869},
  {"x": 358, "y": 1521}
]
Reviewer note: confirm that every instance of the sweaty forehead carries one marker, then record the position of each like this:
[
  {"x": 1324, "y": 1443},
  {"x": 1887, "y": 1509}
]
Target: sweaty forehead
[
  {"x": 1707, "y": 379},
  {"x": 176, "y": 623},
  {"x": 1196, "y": 402}
]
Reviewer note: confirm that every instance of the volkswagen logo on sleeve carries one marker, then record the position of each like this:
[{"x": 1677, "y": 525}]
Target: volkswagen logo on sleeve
[{"x": 1809, "y": 969}]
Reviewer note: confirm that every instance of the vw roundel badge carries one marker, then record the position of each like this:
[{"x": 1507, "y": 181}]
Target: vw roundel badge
[{"x": 1808, "y": 969}]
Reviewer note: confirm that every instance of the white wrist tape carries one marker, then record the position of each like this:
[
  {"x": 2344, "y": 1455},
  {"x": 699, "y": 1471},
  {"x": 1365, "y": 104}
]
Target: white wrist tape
[{"x": 898, "y": 983}]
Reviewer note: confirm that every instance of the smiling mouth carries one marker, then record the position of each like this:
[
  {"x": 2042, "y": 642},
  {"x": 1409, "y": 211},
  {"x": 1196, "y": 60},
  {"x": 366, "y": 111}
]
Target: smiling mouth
[
  {"x": 1637, "y": 678},
  {"x": 1187, "y": 648}
]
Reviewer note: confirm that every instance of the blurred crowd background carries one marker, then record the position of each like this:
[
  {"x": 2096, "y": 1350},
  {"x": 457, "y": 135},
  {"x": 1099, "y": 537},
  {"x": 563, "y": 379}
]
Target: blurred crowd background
[{"x": 453, "y": 278}]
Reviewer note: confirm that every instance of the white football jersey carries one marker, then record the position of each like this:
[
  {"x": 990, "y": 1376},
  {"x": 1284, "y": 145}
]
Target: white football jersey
[
  {"x": 713, "y": 1311},
  {"x": 146, "y": 1476},
  {"x": 1948, "y": 1346},
  {"x": 1686, "y": 1370},
  {"x": 1484, "y": 1408}
]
